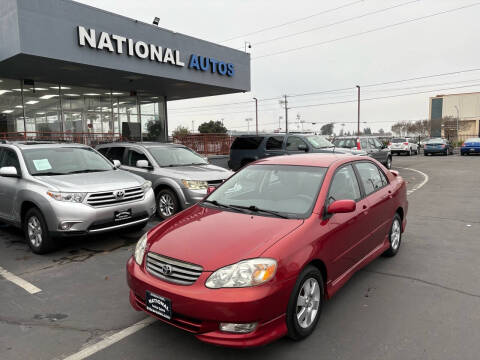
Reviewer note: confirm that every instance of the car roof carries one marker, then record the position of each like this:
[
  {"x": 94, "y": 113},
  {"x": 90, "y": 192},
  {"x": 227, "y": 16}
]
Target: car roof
[
  {"x": 141, "y": 144},
  {"x": 320, "y": 160},
  {"x": 355, "y": 137},
  {"x": 43, "y": 145}
]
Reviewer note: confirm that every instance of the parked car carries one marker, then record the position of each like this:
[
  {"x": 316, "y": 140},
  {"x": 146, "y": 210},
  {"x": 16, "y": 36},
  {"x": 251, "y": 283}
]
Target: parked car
[
  {"x": 257, "y": 258},
  {"x": 370, "y": 144},
  {"x": 179, "y": 175},
  {"x": 404, "y": 145},
  {"x": 438, "y": 146},
  {"x": 248, "y": 148},
  {"x": 470, "y": 146},
  {"x": 56, "y": 190},
  {"x": 423, "y": 142}
]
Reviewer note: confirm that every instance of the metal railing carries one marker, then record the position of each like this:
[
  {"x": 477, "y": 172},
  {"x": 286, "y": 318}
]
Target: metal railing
[
  {"x": 90, "y": 138},
  {"x": 207, "y": 144}
]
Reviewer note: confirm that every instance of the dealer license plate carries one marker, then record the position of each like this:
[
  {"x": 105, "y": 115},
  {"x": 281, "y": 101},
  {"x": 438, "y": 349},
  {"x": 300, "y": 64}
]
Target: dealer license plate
[{"x": 158, "y": 305}]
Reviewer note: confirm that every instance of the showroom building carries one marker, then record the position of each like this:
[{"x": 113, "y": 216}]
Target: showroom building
[{"x": 71, "y": 71}]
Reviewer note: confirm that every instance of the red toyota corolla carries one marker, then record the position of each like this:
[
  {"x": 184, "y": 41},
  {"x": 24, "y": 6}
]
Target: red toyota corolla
[{"x": 258, "y": 257}]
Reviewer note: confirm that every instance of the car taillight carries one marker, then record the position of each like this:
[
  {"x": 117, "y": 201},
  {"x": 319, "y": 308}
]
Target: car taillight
[
  {"x": 463, "y": 145},
  {"x": 389, "y": 144},
  {"x": 405, "y": 143},
  {"x": 358, "y": 145}
]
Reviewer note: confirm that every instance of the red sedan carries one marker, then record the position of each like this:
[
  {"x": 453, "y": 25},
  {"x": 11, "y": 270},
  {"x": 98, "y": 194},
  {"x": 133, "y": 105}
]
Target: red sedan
[{"x": 259, "y": 256}]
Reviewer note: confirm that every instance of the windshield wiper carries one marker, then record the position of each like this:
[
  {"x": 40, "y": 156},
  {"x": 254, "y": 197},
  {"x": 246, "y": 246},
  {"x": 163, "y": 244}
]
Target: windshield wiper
[
  {"x": 256, "y": 209},
  {"x": 48, "y": 173},
  {"x": 216, "y": 203},
  {"x": 84, "y": 171}
]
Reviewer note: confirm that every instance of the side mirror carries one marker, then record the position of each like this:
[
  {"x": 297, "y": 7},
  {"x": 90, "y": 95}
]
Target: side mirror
[
  {"x": 342, "y": 206},
  {"x": 303, "y": 147},
  {"x": 8, "y": 171},
  {"x": 116, "y": 164},
  {"x": 210, "y": 189},
  {"x": 394, "y": 172},
  {"x": 143, "y": 164}
]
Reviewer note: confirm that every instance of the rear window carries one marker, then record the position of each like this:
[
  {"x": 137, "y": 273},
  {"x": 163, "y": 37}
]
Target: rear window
[
  {"x": 472, "y": 140},
  {"x": 247, "y": 143},
  {"x": 436, "y": 141},
  {"x": 346, "y": 143},
  {"x": 399, "y": 140}
]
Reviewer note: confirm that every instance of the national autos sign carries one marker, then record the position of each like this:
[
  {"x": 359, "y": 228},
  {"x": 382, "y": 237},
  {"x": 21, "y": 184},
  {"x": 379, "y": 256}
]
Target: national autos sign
[{"x": 121, "y": 45}]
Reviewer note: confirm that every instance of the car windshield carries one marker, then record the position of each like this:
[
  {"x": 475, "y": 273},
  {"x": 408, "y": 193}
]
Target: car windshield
[
  {"x": 284, "y": 189},
  {"x": 345, "y": 143},
  {"x": 319, "y": 142},
  {"x": 176, "y": 156},
  {"x": 64, "y": 161},
  {"x": 399, "y": 140}
]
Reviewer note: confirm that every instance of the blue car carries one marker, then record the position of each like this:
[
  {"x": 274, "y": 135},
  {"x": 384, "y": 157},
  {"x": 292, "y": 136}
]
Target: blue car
[{"x": 471, "y": 146}]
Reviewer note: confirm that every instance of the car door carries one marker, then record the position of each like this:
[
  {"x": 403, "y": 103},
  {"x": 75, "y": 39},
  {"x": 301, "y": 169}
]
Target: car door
[
  {"x": 8, "y": 185},
  {"x": 378, "y": 153},
  {"x": 346, "y": 232},
  {"x": 132, "y": 155},
  {"x": 293, "y": 144},
  {"x": 378, "y": 194},
  {"x": 274, "y": 146}
]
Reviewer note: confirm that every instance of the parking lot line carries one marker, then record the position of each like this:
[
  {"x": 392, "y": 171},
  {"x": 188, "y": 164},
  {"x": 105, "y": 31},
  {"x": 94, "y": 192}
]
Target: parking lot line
[
  {"x": 110, "y": 340},
  {"x": 32, "y": 289},
  {"x": 425, "y": 180}
]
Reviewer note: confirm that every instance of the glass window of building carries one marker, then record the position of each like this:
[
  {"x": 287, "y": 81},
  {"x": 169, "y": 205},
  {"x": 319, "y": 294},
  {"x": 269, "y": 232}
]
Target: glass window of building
[{"x": 11, "y": 109}]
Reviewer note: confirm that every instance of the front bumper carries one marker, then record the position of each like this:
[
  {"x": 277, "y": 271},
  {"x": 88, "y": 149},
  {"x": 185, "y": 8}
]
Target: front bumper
[
  {"x": 93, "y": 220},
  {"x": 193, "y": 196},
  {"x": 200, "y": 310}
]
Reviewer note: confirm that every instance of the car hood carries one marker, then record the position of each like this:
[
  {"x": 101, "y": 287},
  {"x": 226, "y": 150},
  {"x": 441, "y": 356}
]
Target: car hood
[
  {"x": 214, "y": 238},
  {"x": 339, "y": 150},
  {"x": 198, "y": 172},
  {"x": 92, "y": 182}
]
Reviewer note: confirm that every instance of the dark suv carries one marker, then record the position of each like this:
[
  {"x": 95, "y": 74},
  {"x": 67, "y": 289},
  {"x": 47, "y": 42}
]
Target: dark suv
[
  {"x": 370, "y": 144},
  {"x": 248, "y": 148}
]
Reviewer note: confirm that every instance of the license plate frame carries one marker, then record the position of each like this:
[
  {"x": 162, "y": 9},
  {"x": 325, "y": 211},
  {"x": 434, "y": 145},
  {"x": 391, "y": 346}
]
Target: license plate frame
[
  {"x": 121, "y": 215},
  {"x": 158, "y": 305}
]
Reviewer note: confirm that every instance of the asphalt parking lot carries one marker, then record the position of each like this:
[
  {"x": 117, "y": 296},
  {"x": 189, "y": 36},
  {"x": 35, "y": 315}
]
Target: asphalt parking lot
[{"x": 422, "y": 304}]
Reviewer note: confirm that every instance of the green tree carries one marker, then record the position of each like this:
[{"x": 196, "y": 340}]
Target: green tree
[
  {"x": 155, "y": 129},
  {"x": 367, "y": 131},
  {"x": 212, "y": 127},
  {"x": 180, "y": 131},
  {"x": 327, "y": 129}
]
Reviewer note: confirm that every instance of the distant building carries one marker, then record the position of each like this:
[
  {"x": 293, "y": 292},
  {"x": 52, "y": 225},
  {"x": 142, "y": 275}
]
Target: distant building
[{"x": 465, "y": 107}]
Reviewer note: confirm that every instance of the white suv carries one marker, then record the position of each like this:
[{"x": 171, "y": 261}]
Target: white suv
[{"x": 403, "y": 146}]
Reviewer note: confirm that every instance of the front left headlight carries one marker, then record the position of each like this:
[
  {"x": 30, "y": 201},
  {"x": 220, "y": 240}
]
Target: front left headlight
[
  {"x": 67, "y": 196},
  {"x": 140, "y": 249},
  {"x": 146, "y": 185},
  {"x": 195, "y": 184},
  {"x": 243, "y": 274}
]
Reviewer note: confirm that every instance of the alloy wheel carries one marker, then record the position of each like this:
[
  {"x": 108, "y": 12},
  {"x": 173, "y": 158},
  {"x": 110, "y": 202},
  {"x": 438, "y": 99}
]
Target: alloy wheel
[
  {"x": 389, "y": 163},
  {"x": 35, "y": 231},
  {"x": 395, "y": 235},
  {"x": 308, "y": 303},
  {"x": 166, "y": 205}
]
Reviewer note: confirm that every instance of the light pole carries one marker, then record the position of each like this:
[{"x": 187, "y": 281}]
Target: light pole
[
  {"x": 458, "y": 116},
  {"x": 285, "y": 103},
  {"x": 256, "y": 114},
  {"x": 358, "y": 112},
  {"x": 279, "y": 124},
  {"x": 248, "y": 123}
]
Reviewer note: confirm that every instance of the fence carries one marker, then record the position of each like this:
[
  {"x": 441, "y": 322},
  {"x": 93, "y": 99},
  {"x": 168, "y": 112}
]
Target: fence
[
  {"x": 207, "y": 144},
  {"x": 91, "y": 139}
]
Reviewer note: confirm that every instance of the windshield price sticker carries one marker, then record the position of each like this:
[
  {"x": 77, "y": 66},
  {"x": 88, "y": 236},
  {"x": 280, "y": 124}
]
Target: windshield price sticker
[{"x": 42, "y": 164}]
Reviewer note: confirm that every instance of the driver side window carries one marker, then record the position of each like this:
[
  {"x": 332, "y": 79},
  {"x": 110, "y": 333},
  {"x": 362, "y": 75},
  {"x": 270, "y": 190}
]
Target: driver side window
[
  {"x": 344, "y": 186},
  {"x": 294, "y": 142},
  {"x": 135, "y": 155}
]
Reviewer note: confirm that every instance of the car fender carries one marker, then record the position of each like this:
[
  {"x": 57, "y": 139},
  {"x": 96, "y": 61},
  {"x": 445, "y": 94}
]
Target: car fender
[
  {"x": 172, "y": 184},
  {"x": 39, "y": 200}
]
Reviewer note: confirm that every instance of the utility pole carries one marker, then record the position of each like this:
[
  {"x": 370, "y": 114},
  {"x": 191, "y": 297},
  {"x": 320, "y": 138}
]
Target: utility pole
[
  {"x": 193, "y": 126},
  {"x": 285, "y": 103},
  {"x": 256, "y": 114},
  {"x": 358, "y": 127}
]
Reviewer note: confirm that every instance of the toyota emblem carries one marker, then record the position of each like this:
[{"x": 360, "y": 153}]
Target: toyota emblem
[
  {"x": 119, "y": 194},
  {"x": 165, "y": 269}
]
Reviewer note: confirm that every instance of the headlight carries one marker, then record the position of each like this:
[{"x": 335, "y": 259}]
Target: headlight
[
  {"x": 243, "y": 274},
  {"x": 140, "y": 249},
  {"x": 195, "y": 184},
  {"x": 67, "y": 196},
  {"x": 146, "y": 185}
]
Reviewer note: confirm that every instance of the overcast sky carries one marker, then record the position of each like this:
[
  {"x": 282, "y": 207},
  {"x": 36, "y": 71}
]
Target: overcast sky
[{"x": 440, "y": 44}]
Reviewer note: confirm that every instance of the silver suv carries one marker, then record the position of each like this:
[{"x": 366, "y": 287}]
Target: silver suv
[
  {"x": 53, "y": 190},
  {"x": 179, "y": 175}
]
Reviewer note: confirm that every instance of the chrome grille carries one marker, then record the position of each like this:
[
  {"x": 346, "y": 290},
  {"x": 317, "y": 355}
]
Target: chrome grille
[
  {"x": 171, "y": 270},
  {"x": 113, "y": 197}
]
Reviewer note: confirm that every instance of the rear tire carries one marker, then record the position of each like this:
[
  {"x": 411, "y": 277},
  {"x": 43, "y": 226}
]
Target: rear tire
[
  {"x": 305, "y": 304},
  {"x": 388, "y": 164},
  {"x": 167, "y": 204},
  {"x": 395, "y": 236},
  {"x": 36, "y": 232}
]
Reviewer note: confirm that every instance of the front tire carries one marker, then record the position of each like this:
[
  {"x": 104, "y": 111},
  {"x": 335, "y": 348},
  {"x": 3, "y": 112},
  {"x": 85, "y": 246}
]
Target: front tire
[
  {"x": 167, "y": 204},
  {"x": 388, "y": 164},
  {"x": 36, "y": 232},
  {"x": 305, "y": 304},
  {"x": 395, "y": 236}
]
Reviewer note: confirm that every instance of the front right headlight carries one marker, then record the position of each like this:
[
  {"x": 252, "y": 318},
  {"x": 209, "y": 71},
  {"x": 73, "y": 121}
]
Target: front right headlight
[
  {"x": 243, "y": 274},
  {"x": 140, "y": 249}
]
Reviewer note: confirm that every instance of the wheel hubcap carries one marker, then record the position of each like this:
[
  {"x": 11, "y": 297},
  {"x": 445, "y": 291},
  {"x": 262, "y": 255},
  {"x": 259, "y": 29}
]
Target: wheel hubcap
[
  {"x": 166, "y": 205},
  {"x": 34, "y": 231},
  {"x": 389, "y": 163},
  {"x": 308, "y": 303},
  {"x": 395, "y": 236}
]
